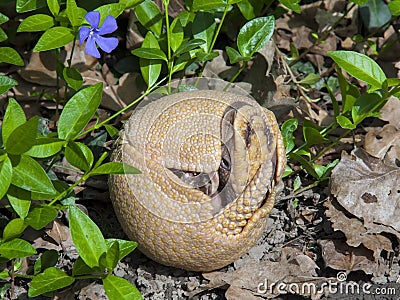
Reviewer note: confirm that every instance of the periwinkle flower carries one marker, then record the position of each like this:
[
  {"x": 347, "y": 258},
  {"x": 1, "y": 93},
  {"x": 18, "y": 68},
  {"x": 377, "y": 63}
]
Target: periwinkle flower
[{"x": 93, "y": 34}]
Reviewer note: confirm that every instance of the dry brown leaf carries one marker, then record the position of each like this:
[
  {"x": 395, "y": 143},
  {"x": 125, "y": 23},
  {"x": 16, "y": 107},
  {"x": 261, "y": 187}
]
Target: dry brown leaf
[
  {"x": 355, "y": 232},
  {"x": 378, "y": 141},
  {"x": 235, "y": 293},
  {"x": 218, "y": 67},
  {"x": 61, "y": 234},
  {"x": 391, "y": 112},
  {"x": 368, "y": 189},
  {"x": 261, "y": 278},
  {"x": 340, "y": 256}
]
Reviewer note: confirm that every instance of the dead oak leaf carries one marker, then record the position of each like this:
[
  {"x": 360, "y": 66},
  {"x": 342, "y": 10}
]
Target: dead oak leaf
[
  {"x": 340, "y": 256},
  {"x": 368, "y": 189},
  {"x": 261, "y": 279},
  {"x": 391, "y": 112},
  {"x": 355, "y": 232},
  {"x": 379, "y": 141}
]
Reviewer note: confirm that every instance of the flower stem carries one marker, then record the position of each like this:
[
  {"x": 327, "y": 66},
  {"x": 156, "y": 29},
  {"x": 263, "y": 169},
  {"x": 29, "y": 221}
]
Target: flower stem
[{"x": 69, "y": 62}]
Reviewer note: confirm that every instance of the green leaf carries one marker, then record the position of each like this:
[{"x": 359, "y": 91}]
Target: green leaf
[
  {"x": 366, "y": 106},
  {"x": 5, "y": 176},
  {"x": 293, "y": 5},
  {"x": 185, "y": 17},
  {"x": 110, "y": 258},
  {"x": 312, "y": 135},
  {"x": 374, "y": 14},
  {"x": 13, "y": 229},
  {"x": 50, "y": 280},
  {"x": 118, "y": 288},
  {"x": 20, "y": 200},
  {"x": 29, "y": 5},
  {"x": 287, "y": 129},
  {"x": 188, "y": 46},
  {"x": 203, "y": 56},
  {"x": 394, "y": 7},
  {"x": 54, "y": 7},
  {"x": 48, "y": 259},
  {"x": 78, "y": 111},
  {"x": 125, "y": 247},
  {"x": 177, "y": 34},
  {"x": 40, "y": 216},
  {"x": 16, "y": 248},
  {"x": 114, "y": 168},
  {"x": 344, "y": 122},
  {"x": 45, "y": 147},
  {"x": 203, "y": 28},
  {"x": 254, "y": 35},
  {"x": 207, "y": 5},
  {"x": 182, "y": 61},
  {"x": 310, "y": 79},
  {"x": 3, "y": 35},
  {"x": 150, "y": 68},
  {"x": 308, "y": 166},
  {"x": 53, "y": 38},
  {"x": 349, "y": 91},
  {"x": 130, "y": 3},
  {"x": 23, "y": 137},
  {"x": 73, "y": 77},
  {"x": 149, "y": 15},
  {"x": 6, "y": 83},
  {"x": 3, "y": 19},
  {"x": 234, "y": 55},
  {"x": 359, "y": 66},
  {"x": 38, "y": 22},
  {"x": 393, "y": 82},
  {"x": 80, "y": 268},
  {"x": 112, "y": 131},
  {"x": 112, "y": 9},
  {"x": 150, "y": 53},
  {"x": 87, "y": 237},
  {"x": 10, "y": 56},
  {"x": 247, "y": 9},
  {"x": 79, "y": 155},
  {"x": 29, "y": 175},
  {"x": 359, "y": 2},
  {"x": 13, "y": 118},
  {"x": 75, "y": 14}
]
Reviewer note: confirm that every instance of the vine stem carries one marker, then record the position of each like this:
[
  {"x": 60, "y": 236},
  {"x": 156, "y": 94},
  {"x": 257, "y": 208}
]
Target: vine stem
[
  {"x": 209, "y": 50},
  {"x": 170, "y": 62},
  {"x": 69, "y": 62},
  {"x": 69, "y": 189},
  {"x": 98, "y": 125}
]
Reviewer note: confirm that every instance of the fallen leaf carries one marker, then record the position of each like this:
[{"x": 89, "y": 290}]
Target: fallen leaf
[
  {"x": 355, "y": 232},
  {"x": 391, "y": 112},
  {"x": 368, "y": 189},
  {"x": 378, "y": 141},
  {"x": 340, "y": 256},
  {"x": 257, "y": 278}
]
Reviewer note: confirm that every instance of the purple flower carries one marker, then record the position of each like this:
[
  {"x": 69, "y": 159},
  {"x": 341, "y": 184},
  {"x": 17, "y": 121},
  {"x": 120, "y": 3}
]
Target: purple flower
[{"x": 93, "y": 34}]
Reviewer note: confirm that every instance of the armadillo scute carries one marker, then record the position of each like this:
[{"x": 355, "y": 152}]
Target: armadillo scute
[{"x": 210, "y": 162}]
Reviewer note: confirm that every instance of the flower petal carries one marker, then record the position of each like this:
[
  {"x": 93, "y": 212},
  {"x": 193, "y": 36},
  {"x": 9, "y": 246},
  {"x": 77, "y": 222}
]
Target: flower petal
[
  {"x": 107, "y": 44},
  {"x": 91, "y": 48},
  {"x": 93, "y": 17},
  {"x": 83, "y": 34},
  {"x": 109, "y": 25}
]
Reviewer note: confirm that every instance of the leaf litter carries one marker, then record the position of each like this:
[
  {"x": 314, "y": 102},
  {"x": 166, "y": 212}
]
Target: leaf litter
[{"x": 352, "y": 227}]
